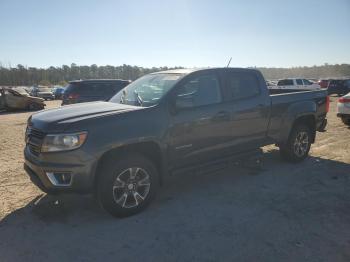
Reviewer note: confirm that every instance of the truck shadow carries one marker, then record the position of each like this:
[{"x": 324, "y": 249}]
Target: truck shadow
[
  {"x": 183, "y": 202},
  {"x": 51, "y": 208}
]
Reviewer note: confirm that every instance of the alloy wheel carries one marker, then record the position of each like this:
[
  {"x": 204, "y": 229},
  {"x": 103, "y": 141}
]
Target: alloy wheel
[
  {"x": 301, "y": 143},
  {"x": 131, "y": 187}
]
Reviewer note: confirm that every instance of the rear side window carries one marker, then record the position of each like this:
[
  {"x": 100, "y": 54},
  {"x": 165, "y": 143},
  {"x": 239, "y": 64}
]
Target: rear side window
[
  {"x": 299, "y": 82},
  {"x": 243, "y": 85},
  {"x": 285, "y": 82},
  {"x": 98, "y": 88}
]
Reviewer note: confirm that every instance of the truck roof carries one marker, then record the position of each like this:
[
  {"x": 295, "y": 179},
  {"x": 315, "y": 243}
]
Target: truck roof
[
  {"x": 186, "y": 71},
  {"x": 182, "y": 71},
  {"x": 98, "y": 80}
]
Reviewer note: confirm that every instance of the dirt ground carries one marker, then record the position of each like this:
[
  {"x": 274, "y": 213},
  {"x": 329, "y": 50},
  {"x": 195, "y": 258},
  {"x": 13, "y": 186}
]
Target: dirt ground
[{"x": 279, "y": 212}]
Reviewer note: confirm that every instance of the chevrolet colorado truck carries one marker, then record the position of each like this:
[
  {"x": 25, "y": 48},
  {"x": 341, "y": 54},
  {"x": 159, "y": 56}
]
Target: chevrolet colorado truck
[{"x": 122, "y": 150}]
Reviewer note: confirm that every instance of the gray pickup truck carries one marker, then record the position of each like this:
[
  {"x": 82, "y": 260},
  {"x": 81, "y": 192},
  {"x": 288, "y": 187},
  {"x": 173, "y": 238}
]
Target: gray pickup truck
[{"x": 164, "y": 122}]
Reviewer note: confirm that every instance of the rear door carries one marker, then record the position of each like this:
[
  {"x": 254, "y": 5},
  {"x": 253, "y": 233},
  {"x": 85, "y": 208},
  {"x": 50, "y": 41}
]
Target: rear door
[{"x": 250, "y": 105}]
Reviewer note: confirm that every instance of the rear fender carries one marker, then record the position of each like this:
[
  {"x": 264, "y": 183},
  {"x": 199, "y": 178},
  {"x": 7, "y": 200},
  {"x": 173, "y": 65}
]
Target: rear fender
[{"x": 296, "y": 111}]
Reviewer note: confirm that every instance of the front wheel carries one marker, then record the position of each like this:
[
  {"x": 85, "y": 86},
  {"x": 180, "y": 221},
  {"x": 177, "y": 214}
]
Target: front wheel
[
  {"x": 126, "y": 186},
  {"x": 298, "y": 145},
  {"x": 34, "y": 107}
]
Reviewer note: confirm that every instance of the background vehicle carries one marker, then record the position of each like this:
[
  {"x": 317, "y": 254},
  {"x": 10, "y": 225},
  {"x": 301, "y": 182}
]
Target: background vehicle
[
  {"x": 295, "y": 84},
  {"x": 344, "y": 109},
  {"x": 339, "y": 87},
  {"x": 92, "y": 90},
  {"x": 164, "y": 123},
  {"x": 43, "y": 92},
  {"x": 18, "y": 98},
  {"x": 58, "y": 92},
  {"x": 323, "y": 83},
  {"x": 2, "y": 100}
]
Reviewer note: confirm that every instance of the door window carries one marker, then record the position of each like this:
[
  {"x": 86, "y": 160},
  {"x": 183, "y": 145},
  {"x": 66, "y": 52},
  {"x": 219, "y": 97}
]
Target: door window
[
  {"x": 199, "y": 91},
  {"x": 307, "y": 82}
]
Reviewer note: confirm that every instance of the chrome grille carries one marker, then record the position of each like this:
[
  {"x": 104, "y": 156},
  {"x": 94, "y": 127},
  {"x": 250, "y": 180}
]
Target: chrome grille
[{"x": 34, "y": 139}]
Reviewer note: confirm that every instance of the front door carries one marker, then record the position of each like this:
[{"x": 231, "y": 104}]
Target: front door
[{"x": 198, "y": 126}]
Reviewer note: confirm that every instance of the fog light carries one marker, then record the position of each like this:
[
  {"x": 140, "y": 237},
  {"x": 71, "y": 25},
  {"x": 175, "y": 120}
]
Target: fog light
[{"x": 59, "y": 179}]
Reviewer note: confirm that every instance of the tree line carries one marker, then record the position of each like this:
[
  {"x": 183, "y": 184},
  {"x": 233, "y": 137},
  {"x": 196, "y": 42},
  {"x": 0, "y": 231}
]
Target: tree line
[
  {"x": 28, "y": 76},
  {"x": 314, "y": 72}
]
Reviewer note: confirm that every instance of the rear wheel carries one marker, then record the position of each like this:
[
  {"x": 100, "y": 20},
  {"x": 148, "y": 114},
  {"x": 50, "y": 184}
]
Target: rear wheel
[
  {"x": 346, "y": 120},
  {"x": 126, "y": 187},
  {"x": 298, "y": 145}
]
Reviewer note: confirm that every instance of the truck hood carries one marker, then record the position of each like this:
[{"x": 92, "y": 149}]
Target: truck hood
[{"x": 57, "y": 120}]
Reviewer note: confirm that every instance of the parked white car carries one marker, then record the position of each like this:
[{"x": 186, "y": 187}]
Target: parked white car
[
  {"x": 344, "y": 109},
  {"x": 296, "y": 84}
]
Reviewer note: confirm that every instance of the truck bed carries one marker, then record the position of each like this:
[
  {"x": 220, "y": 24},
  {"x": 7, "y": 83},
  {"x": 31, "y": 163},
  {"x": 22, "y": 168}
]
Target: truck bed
[{"x": 287, "y": 105}]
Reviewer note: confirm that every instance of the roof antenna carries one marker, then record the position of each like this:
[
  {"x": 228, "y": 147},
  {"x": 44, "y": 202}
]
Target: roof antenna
[{"x": 229, "y": 62}]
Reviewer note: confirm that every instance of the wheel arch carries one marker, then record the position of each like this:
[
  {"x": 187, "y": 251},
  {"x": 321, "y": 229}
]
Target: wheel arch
[
  {"x": 297, "y": 113},
  {"x": 149, "y": 149},
  {"x": 308, "y": 120}
]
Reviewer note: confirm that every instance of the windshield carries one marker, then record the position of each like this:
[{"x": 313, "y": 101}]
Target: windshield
[
  {"x": 21, "y": 90},
  {"x": 147, "y": 90}
]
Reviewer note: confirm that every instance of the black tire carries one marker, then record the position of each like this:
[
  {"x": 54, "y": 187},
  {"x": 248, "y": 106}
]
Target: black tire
[
  {"x": 297, "y": 148},
  {"x": 108, "y": 186},
  {"x": 346, "y": 121}
]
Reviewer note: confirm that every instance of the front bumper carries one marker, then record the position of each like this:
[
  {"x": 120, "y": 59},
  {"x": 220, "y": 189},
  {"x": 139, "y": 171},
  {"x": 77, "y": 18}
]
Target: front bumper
[{"x": 81, "y": 172}]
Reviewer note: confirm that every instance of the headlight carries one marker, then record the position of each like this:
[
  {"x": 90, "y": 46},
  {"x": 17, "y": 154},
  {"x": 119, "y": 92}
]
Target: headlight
[{"x": 63, "y": 142}]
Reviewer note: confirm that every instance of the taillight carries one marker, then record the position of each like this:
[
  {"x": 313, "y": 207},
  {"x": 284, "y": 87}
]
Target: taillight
[
  {"x": 73, "y": 96},
  {"x": 327, "y": 103},
  {"x": 344, "y": 100}
]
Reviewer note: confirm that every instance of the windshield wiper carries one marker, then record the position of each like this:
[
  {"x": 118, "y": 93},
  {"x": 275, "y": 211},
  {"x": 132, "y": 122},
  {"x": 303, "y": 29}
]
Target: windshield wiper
[
  {"x": 139, "y": 98},
  {"x": 122, "y": 97}
]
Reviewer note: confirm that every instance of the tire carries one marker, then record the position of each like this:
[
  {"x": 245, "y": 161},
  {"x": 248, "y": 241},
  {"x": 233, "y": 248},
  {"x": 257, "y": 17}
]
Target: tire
[
  {"x": 119, "y": 193},
  {"x": 298, "y": 145},
  {"x": 346, "y": 121}
]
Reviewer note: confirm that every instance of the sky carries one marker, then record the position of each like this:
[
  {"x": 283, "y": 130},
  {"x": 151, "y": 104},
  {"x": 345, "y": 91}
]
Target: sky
[{"x": 189, "y": 33}]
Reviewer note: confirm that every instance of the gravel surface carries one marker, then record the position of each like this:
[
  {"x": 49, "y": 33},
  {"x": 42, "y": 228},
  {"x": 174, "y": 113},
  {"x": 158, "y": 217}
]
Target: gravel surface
[{"x": 273, "y": 212}]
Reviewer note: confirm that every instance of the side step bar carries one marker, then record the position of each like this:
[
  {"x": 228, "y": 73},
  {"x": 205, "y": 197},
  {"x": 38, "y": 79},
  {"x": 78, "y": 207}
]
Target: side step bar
[{"x": 223, "y": 163}]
